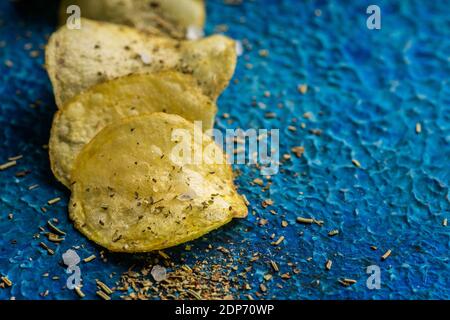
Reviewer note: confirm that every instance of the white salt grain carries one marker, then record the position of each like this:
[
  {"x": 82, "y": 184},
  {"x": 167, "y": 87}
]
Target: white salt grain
[
  {"x": 159, "y": 273},
  {"x": 194, "y": 33},
  {"x": 239, "y": 48},
  {"x": 146, "y": 59}
]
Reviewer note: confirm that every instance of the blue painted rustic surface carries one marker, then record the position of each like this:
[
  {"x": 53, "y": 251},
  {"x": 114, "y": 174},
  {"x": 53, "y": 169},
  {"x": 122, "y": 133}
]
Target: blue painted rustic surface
[{"x": 367, "y": 89}]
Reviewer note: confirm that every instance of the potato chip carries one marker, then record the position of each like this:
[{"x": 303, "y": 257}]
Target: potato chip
[
  {"x": 78, "y": 121},
  {"x": 100, "y": 51},
  {"x": 130, "y": 192},
  {"x": 159, "y": 17}
]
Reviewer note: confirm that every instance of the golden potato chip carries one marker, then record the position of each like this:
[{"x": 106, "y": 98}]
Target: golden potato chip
[
  {"x": 100, "y": 51},
  {"x": 160, "y": 17},
  {"x": 78, "y": 121},
  {"x": 134, "y": 191}
]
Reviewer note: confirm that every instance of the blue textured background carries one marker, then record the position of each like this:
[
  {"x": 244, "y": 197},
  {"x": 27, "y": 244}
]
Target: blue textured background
[{"x": 366, "y": 91}]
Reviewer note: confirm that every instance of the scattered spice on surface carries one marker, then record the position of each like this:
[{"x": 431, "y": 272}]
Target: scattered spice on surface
[
  {"x": 15, "y": 158},
  {"x": 285, "y": 276},
  {"x": 221, "y": 28},
  {"x": 9, "y": 63},
  {"x": 103, "y": 295},
  {"x": 356, "y": 163},
  {"x": 34, "y": 54},
  {"x": 305, "y": 220},
  {"x": 262, "y": 287},
  {"x": 418, "y": 128},
  {"x": 267, "y": 277},
  {"x": 302, "y": 88},
  {"x": 270, "y": 115},
  {"x": 104, "y": 287},
  {"x": 223, "y": 250},
  {"x": 263, "y": 53},
  {"x": 266, "y": 203},
  {"x": 45, "y": 293},
  {"x": 307, "y": 115},
  {"x": 79, "y": 292},
  {"x": 53, "y": 201},
  {"x": 201, "y": 281},
  {"x": 347, "y": 282},
  {"x": 316, "y": 132},
  {"x": 163, "y": 255},
  {"x": 309, "y": 221},
  {"x": 23, "y": 173},
  {"x": 274, "y": 266},
  {"x": 194, "y": 294},
  {"x": 6, "y": 281},
  {"x": 298, "y": 151},
  {"x": 386, "y": 254},
  {"x": 258, "y": 181},
  {"x": 333, "y": 232},
  {"x": 55, "y": 228},
  {"x": 280, "y": 240},
  {"x": 89, "y": 259},
  {"x": 54, "y": 238},
  {"x": 49, "y": 251},
  {"x": 8, "y": 165}
]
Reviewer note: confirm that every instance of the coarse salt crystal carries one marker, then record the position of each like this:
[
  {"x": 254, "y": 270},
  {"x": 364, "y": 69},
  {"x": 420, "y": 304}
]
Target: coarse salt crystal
[
  {"x": 239, "y": 48},
  {"x": 146, "y": 59},
  {"x": 159, "y": 273},
  {"x": 194, "y": 33}
]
